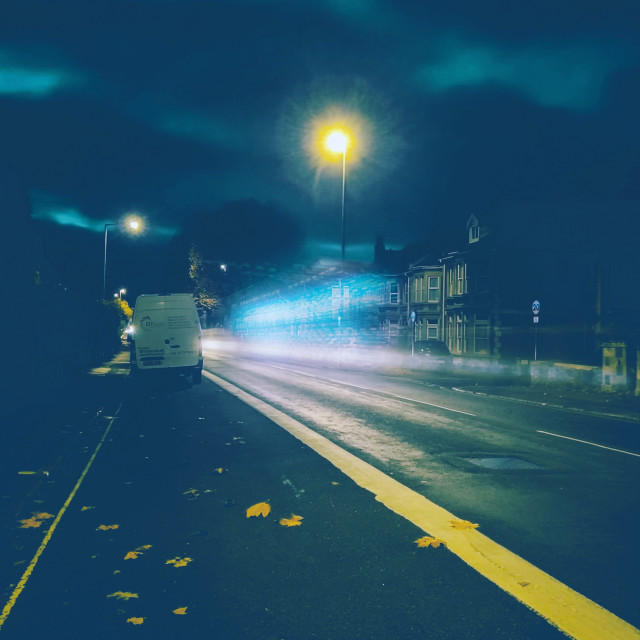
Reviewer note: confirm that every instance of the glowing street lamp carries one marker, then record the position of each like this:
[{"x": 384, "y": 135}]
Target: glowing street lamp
[
  {"x": 337, "y": 141},
  {"x": 132, "y": 224}
]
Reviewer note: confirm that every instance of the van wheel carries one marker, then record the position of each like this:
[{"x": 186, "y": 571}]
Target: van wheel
[{"x": 196, "y": 376}]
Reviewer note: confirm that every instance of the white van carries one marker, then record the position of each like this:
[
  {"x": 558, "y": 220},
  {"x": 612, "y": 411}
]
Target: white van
[{"x": 166, "y": 335}]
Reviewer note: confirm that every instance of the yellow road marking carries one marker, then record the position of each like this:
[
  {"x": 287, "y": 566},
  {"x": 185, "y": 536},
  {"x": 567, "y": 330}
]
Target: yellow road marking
[
  {"x": 29, "y": 570},
  {"x": 561, "y": 606}
]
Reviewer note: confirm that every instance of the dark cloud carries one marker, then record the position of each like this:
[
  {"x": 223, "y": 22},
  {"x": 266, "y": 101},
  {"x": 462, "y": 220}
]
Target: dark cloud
[{"x": 175, "y": 107}]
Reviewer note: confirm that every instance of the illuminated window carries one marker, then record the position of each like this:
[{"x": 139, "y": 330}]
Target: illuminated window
[
  {"x": 417, "y": 289},
  {"x": 461, "y": 276},
  {"x": 460, "y": 327},
  {"x": 434, "y": 289}
]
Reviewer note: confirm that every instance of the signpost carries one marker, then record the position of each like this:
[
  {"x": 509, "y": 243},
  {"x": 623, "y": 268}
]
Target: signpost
[{"x": 535, "y": 307}]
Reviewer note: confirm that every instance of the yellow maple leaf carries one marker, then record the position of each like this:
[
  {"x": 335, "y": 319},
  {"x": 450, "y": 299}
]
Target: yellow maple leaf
[
  {"x": 122, "y": 595},
  {"x": 132, "y": 555},
  {"x": 463, "y": 524},
  {"x": 30, "y": 522},
  {"x": 42, "y": 516},
  {"x": 35, "y": 520},
  {"x": 428, "y": 541},
  {"x": 106, "y": 527},
  {"x": 180, "y": 611},
  {"x": 260, "y": 509},
  {"x": 293, "y": 521},
  {"x": 135, "y": 620},
  {"x": 220, "y": 470},
  {"x": 144, "y": 547},
  {"x": 179, "y": 562}
]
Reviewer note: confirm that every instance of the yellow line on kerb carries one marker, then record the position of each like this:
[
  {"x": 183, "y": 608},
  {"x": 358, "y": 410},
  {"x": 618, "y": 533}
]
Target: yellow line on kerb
[
  {"x": 564, "y": 608},
  {"x": 29, "y": 570}
]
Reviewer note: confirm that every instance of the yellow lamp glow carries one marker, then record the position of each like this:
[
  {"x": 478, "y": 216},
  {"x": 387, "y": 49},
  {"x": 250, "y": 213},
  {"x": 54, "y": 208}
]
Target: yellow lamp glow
[
  {"x": 133, "y": 224},
  {"x": 337, "y": 142}
]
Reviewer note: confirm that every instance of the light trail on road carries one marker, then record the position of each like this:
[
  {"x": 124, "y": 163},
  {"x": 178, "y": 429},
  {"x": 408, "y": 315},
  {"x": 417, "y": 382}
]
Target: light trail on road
[{"x": 377, "y": 392}]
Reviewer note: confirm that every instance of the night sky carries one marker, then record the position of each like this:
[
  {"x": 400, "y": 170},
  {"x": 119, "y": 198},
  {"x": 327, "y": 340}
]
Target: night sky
[{"x": 172, "y": 108}]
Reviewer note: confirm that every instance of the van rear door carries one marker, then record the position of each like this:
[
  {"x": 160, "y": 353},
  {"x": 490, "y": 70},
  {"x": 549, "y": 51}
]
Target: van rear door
[{"x": 167, "y": 337}]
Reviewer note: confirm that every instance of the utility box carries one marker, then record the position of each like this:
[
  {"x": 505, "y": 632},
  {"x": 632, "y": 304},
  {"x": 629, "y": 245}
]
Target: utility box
[{"x": 615, "y": 369}]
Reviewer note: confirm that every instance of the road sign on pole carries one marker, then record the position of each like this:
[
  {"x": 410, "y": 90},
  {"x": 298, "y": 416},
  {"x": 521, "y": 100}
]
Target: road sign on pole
[{"x": 535, "y": 307}]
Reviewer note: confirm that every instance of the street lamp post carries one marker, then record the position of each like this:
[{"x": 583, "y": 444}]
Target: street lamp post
[
  {"x": 337, "y": 142},
  {"x": 134, "y": 225}
]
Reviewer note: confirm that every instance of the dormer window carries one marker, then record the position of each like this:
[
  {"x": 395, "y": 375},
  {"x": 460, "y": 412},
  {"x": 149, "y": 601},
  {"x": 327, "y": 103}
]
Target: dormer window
[{"x": 473, "y": 226}]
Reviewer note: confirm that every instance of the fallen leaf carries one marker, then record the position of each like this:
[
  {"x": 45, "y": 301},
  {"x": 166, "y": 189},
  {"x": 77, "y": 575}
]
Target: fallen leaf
[
  {"x": 132, "y": 555},
  {"x": 260, "y": 509},
  {"x": 106, "y": 527},
  {"x": 293, "y": 521},
  {"x": 30, "y": 522},
  {"x": 179, "y": 562},
  {"x": 428, "y": 541},
  {"x": 188, "y": 491},
  {"x": 181, "y": 611},
  {"x": 135, "y": 620},
  {"x": 35, "y": 520},
  {"x": 123, "y": 595},
  {"x": 463, "y": 524},
  {"x": 221, "y": 470},
  {"x": 86, "y": 508},
  {"x": 42, "y": 516}
]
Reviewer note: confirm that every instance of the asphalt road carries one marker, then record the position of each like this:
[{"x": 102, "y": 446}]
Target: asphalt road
[{"x": 124, "y": 510}]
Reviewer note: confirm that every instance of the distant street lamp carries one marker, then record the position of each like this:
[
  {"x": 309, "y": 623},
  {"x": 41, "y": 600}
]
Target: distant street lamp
[
  {"x": 337, "y": 142},
  {"x": 131, "y": 224}
]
